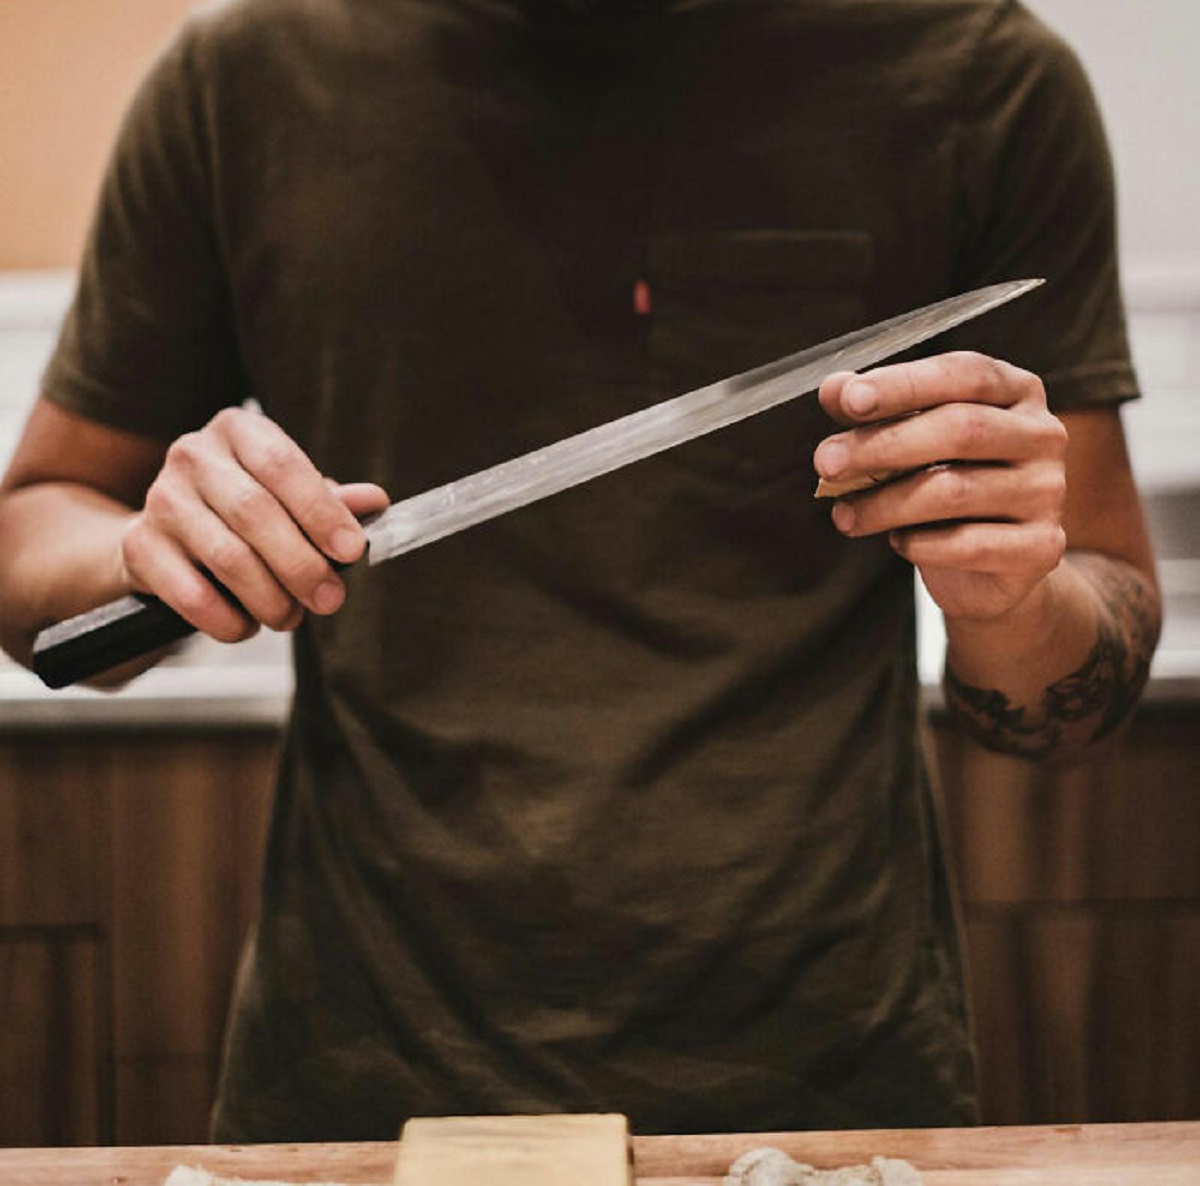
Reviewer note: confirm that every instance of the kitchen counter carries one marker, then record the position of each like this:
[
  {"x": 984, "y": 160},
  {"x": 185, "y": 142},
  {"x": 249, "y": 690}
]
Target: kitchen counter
[
  {"x": 198, "y": 699},
  {"x": 249, "y": 685},
  {"x": 1166, "y": 1154},
  {"x": 206, "y": 684}
]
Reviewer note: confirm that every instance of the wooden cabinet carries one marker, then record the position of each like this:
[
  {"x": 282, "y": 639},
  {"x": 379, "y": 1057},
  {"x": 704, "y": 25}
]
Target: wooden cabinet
[
  {"x": 129, "y": 879},
  {"x": 1081, "y": 907},
  {"x": 54, "y": 1004}
]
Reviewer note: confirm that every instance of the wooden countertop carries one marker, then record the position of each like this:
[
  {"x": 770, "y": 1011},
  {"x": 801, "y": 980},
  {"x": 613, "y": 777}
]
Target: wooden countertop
[{"x": 1165, "y": 1154}]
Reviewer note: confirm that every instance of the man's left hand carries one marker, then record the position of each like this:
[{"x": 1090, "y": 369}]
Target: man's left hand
[{"x": 978, "y": 506}]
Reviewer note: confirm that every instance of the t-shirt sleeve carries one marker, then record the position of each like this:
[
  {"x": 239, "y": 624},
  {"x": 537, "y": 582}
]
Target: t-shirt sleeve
[
  {"x": 148, "y": 344},
  {"x": 1038, "y": 199}
]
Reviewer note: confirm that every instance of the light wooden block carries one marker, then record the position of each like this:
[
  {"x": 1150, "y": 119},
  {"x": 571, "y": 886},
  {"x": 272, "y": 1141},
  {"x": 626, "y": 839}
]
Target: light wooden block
[
  {"x": 830, "y": 489},
  {"x": 551, "y": 1150}
]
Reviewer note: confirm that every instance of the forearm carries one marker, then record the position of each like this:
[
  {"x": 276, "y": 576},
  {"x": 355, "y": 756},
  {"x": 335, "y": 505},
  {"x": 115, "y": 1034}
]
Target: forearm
[
  {"x": 61, "y": 556},
  {"x": 1065, "y": 667}
]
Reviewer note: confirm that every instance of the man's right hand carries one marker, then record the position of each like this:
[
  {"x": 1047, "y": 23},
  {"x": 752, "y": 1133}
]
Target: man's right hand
[
  {"x": 237, "y": 498},
  {"x": 240, "y": 499}
]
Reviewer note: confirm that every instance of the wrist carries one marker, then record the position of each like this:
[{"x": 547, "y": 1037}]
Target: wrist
[{"x": 1024, "y": 647}]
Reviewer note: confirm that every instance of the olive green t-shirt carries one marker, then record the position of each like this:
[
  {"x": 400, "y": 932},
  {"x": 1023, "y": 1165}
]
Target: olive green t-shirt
[{"x": 616, "y": 802}]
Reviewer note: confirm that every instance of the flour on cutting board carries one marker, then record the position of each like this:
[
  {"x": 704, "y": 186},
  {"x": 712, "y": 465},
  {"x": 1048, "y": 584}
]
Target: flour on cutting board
[
  {"x": 773, "y": 1167},
  {"x": 186, "y": 1175}
]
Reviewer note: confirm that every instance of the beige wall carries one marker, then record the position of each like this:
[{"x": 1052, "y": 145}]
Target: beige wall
[{"x": 67, "y": 70}]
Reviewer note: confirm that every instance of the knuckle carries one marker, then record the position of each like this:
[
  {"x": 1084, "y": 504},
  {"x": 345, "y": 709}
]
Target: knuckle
[
  {"x": 1056, "y": 487},
  {"x": 302, "y": 573},
  {"x": 994, "y": 381},
  {"x": 878, "y": 441},
  {"x": 273, "y": 460},
  {"x": 268, "y": 453},
  {"x": 321, "y": 513},
  {"x": 198, "y": 601},
  {"x": 1054, "y": 433},
  {"x": 1046, "y": 546},
  {"x": 137, "y": 544},
  {"x": 1046, "y": 488},
  {"x": 991, "y": 378},
  {"x": 1031, "y": 386},
  {"x": 971, "y": 430},
  {"x": 194, "y": 601},
  {"x": 185, "y": 452},
  {"x": 229, "y": 556},
  {"x": 965, "y": 358},
  {"x": 248, "y": 506},
  {"x": 158, "y": 500},
  {"x": 980, "y": 371},
  {"x": 952, "y": 486},
  {"x": 1056, "y": 543}
]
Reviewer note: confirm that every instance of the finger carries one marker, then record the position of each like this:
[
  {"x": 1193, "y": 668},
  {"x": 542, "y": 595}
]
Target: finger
[
  {"x": 830, "y": 395},
  {"x": 237, "y": 529},
  {"x": 158, "y": 565},
  {"x": 950, "y": 432},
  {"x": 903, "y": 388},
  {"x": 362, "y": 498},
  {"x": 269, "y": 567},
  {"x": 996, "y": 548},
  {"x": 953, "y": 493},
  {"x": 285, "y": 471}
]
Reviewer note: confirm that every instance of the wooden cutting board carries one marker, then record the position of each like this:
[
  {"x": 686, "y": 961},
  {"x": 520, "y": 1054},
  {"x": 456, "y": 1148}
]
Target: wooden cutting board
[
  {"x": 563, "y": 1150},
  {"x": 1070, "y": 1155}
]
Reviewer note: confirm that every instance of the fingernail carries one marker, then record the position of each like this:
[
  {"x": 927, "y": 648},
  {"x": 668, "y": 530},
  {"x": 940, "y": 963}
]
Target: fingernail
[
  {"x": 328, "y": 596},
  {"x": 844, "y": 516},
  {"x": 346, "y": 543},
  {"x": 861, "y": 397},
  {"x": 831, "y": 458}
]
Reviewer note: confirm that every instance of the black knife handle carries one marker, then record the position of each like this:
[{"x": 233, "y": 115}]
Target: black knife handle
[{"x": 81, "y": 647}]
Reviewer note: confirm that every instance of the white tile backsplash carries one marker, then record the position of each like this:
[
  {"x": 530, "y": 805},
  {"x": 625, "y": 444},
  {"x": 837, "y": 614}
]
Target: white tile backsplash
[
  {"x": 1164, "y": 426},
  {"x": 32, "y": 305},
  {"x": 1162, "y": 346}
]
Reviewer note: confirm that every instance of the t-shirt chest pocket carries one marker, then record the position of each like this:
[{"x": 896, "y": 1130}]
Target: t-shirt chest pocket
[{"x": 722, "y": 303}]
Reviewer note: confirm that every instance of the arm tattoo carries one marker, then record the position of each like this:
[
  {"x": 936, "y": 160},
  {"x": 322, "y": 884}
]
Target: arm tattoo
[{"x": 1088, "y": 704}]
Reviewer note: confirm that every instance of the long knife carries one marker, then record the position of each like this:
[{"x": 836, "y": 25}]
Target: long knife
[{"x": 90, "y": 643}]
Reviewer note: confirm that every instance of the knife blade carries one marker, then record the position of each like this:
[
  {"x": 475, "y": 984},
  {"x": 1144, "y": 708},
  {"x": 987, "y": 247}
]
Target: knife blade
[{"x": 95, "y": 641}]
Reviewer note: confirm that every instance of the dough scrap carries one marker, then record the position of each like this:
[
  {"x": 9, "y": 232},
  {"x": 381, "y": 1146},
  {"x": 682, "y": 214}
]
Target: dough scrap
[
  {"x": 188, "y": 1175},
  {"x": 767, "y": 1166}
]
